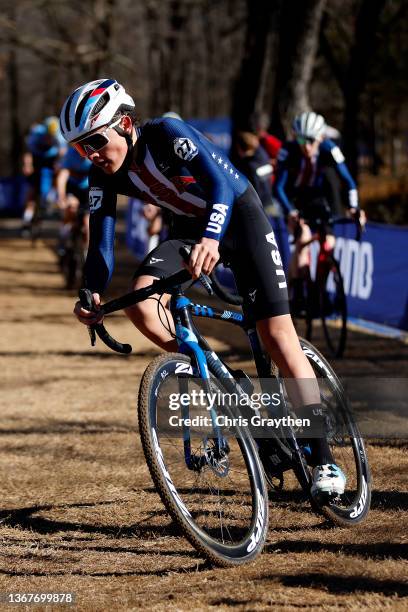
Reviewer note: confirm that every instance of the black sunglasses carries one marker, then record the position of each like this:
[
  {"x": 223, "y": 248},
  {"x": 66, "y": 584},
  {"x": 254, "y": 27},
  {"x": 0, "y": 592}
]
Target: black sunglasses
[{"x": 302, "y": 140}]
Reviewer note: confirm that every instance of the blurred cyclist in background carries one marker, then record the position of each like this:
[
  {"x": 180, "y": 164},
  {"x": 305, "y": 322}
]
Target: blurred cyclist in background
[
  {"x": 253, "y": 161},
  {"x": 271, "y": 144},
  {"x": 45, "y": 146},
  {"x": 72, "y": 193},
  {"x": 251, "y": 158},
  {"x": 303, "y": 188}
]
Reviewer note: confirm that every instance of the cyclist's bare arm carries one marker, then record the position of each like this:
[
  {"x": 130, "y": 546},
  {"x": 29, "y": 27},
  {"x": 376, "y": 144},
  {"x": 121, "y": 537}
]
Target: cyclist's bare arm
[
  {"x": 27, "y": 166},
  {"x": 61, "y": 184}
]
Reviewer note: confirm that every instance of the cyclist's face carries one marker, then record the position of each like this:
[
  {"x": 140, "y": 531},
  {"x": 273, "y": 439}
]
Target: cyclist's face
[
  {"x": 309, "y": 149},
  {"x": 112, "y": 155}
]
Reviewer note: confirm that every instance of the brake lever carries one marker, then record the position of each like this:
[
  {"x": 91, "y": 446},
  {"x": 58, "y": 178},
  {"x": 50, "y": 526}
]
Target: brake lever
[
  {"x": 185, "y": 252},
  {"x": 85, "y": 297}
]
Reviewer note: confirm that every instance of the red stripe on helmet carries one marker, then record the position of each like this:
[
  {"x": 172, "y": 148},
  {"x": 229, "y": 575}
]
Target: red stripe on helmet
[{"x": 97, "y": 91}]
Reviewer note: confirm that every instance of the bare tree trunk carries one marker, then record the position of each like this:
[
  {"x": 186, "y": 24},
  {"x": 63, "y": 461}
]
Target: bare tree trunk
[
  {"x": 15, "y": 132},
  {"x": 249, "y": 80},
  {"x": 14, "y": 97},
  {"x": 299, "y": 27},
  {"x": 356, "y": 74},
  {"x": 105, "y": 16}
]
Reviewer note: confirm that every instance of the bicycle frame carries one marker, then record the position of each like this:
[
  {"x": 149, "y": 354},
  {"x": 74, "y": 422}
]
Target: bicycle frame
[{"x": 192, "y": 343}]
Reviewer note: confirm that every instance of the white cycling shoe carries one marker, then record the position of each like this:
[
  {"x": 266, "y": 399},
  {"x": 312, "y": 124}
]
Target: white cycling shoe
[{"x": 328, "y": 479}]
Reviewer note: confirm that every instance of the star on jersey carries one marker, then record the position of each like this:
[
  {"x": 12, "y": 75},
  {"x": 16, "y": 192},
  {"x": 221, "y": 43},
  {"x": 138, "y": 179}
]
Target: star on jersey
[{"x": 226, "y": 165}]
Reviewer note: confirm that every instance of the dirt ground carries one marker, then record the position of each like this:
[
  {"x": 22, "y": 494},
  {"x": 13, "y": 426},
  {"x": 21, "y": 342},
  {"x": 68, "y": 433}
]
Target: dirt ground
[{"x": 79, "y": 512}]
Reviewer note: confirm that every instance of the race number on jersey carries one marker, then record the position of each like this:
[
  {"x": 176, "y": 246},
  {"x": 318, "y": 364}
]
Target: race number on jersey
[
  {"x": 95, "y": 199},
  {"x": 185, "y": 148}
]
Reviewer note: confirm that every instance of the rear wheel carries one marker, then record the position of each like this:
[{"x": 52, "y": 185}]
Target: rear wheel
[
  {"x": 346, "y": 444},
  {"x": 333, "y": 307},
  {"x": 212, "y": 486}
]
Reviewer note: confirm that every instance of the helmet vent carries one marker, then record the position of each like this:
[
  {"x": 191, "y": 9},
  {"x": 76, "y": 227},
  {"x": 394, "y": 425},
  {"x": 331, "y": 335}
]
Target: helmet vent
[
  {"x": 101, "y": 103},
  {"x": 81, "y": 106},
  {"x": 67, "y": 113}
]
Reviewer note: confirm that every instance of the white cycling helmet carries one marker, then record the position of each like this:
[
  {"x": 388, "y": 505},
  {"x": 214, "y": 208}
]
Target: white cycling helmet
[
  {"x": 92, "y": 106},
  {"x": 309, "y": 125}
]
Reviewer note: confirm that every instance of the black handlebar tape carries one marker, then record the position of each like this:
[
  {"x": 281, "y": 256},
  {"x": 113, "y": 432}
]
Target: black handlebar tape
[
  {"x": 85, "y": 297},
  {"x": 203, "y": 278},
  {"x": 110, "y": 342}
]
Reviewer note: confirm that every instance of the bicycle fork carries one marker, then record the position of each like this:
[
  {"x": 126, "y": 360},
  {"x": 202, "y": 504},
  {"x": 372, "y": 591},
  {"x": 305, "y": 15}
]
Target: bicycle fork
[{"x": 189, "y": 345}]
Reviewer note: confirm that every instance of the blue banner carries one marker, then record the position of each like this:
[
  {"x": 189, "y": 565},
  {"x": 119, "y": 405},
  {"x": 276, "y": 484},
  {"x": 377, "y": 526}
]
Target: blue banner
[
  {"x": 216, "y": 130},
  {"x": 12, "y": 196},
  {"x": 375, "y": 272}
]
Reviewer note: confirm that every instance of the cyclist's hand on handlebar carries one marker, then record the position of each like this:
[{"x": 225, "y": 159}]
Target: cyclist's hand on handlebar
[
  {"x": 357, "y": 214},
  {"x": 204, "y": 256},
  {"x": 293, "y": 219},
  {"x": 88, "y": 317}
]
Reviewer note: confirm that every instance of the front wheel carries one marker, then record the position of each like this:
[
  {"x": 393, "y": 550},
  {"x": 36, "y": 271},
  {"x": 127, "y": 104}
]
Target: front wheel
[
  {"x": 346, "y": 444},
  {"x": 212, "y": 484}
]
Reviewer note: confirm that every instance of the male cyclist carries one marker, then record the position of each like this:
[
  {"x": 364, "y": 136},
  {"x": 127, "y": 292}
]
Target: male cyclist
[
  {"x": 168, "y": 163},
  {"x": 45, "y": 146},
  {"x": 304, "y": 188},
  {"x": 72, "y": 180}
]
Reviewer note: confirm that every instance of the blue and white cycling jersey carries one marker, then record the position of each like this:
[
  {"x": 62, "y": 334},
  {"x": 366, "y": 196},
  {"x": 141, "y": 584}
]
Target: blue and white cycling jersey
[
  {"x": 296, "y": 174},
  {"x": 78, "y": 167},
  {"x": 44, "y": 146},
  {"x": 172, "y": 166}
]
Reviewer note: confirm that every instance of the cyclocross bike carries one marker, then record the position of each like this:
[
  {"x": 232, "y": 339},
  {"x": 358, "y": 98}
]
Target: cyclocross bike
[
  {"x": 71, "y": 254},
  {"x": 210, "y": 478},
  {"x": 42, "y": 202},
  {"x": 324, "y": 296}
]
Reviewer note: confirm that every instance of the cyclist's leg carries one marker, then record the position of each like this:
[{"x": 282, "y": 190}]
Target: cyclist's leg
[
  {"x": 29, "y": 207},
  {"x": 67, "y": 219},
  {"x": 145, "y": 316},
  {"x": 300, "y": 259},
  {"x": 83, "y": 212},
  {"x": 260, "y": 279},
  {"x": 31, "y": 199},
  {"x": 150, "y": 318},
  {"x": 299, "y": 267}
]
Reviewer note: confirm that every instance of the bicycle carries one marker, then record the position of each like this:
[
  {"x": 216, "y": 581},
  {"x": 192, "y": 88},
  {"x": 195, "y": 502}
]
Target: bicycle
[
  {"x": 71, "y": 252},
  {"x": 211, "y": 480},
  {"x": 42, "y": 194},
  {"x": 324, "y": 297}
]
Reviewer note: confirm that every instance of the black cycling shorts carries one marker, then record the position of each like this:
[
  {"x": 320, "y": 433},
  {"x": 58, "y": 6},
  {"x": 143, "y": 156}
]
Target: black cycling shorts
[{"x": 249, "y": 248}]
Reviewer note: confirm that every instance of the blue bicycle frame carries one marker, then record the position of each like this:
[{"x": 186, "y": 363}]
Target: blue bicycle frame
[{"x": 191, "y": 343}]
